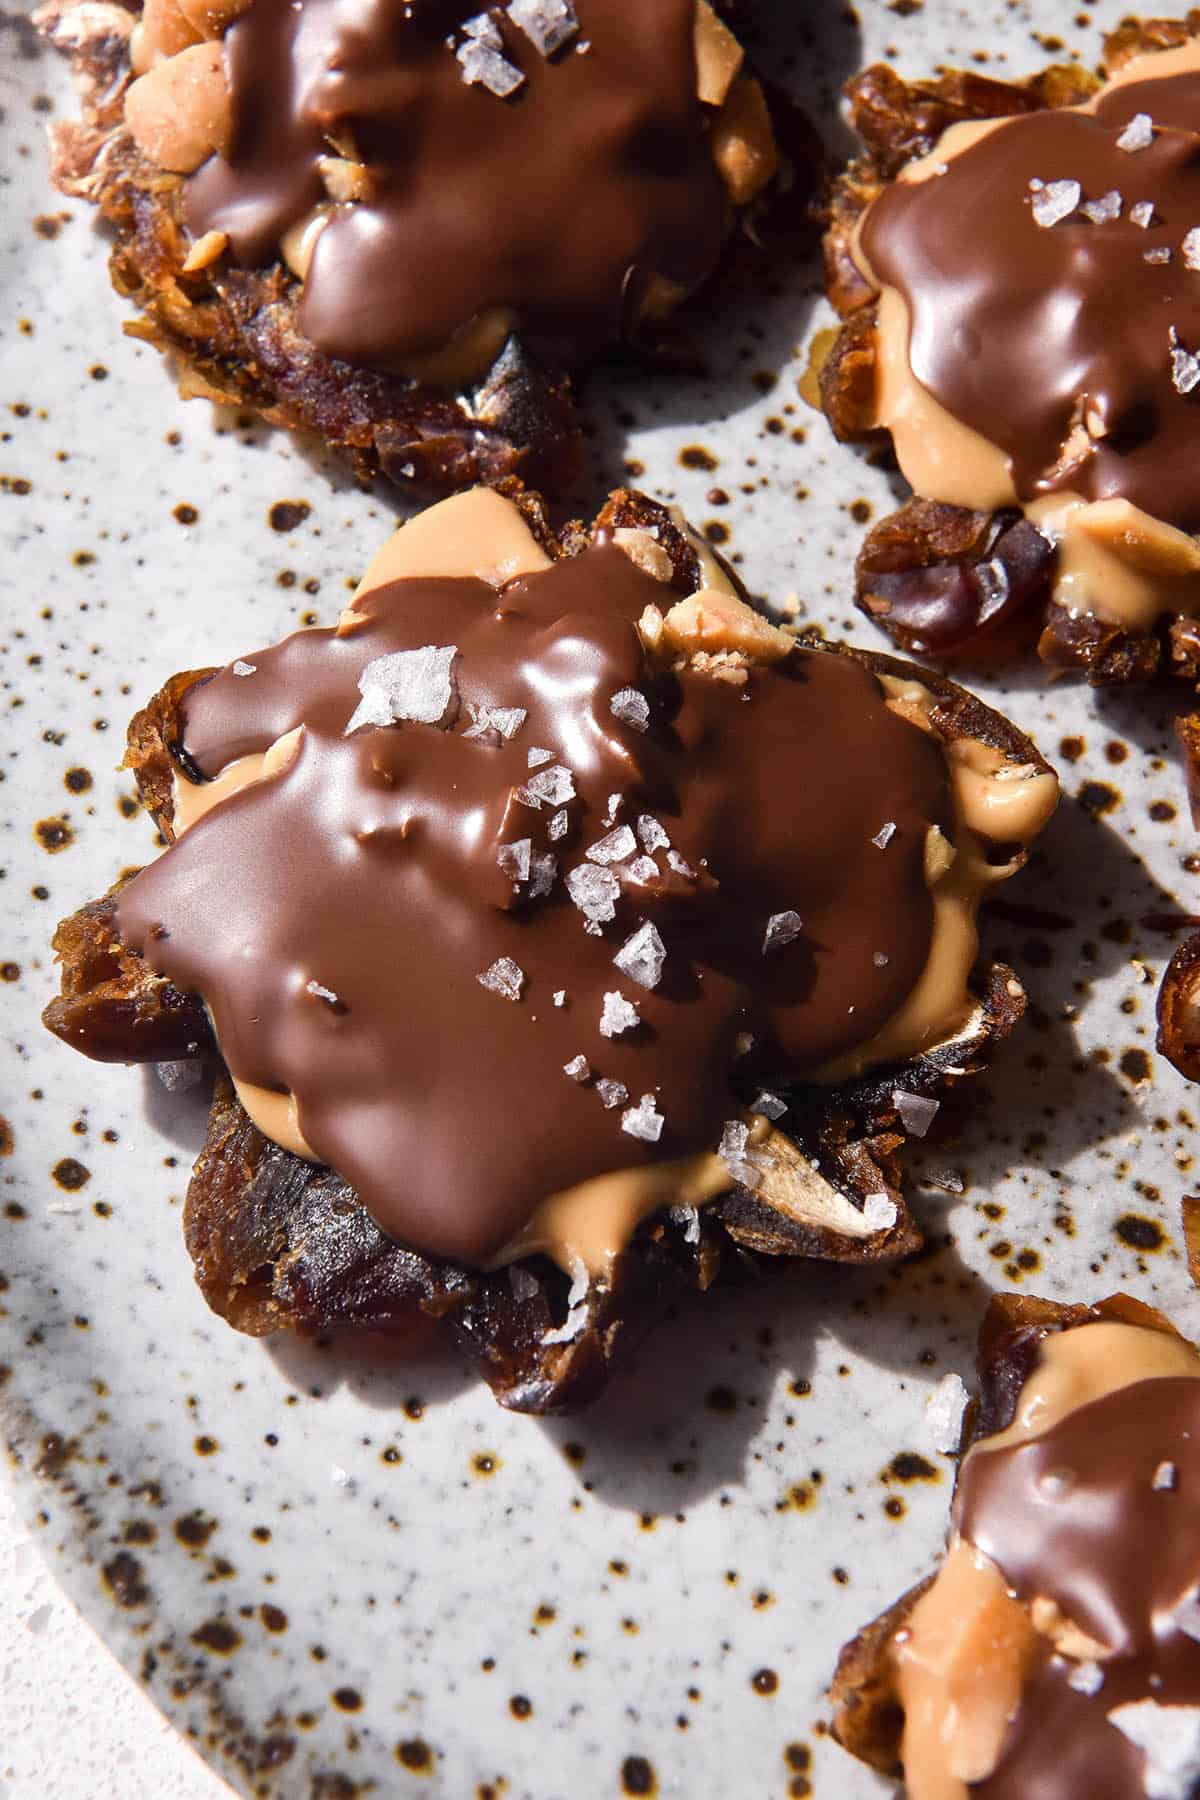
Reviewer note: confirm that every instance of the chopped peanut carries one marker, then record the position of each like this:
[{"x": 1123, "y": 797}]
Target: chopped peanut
[
  {"x": 743, "y": 143},
  {"x": 644, "y": 551},
  {"x": 179, "y": 111},
  {"x": 719, "y": 56},
  {"x": 712, "y": 622},
  {"x": 205, "y": 251}
]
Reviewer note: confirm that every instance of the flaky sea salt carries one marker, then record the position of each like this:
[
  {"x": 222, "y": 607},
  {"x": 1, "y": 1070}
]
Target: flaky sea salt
[
  {"x": 880, "y": 1212},
  {"x": 944, "y": 1411},
  {"x": 1142, "y": 214},
  {"x": 689, "y": 1218},
  {"x": 543, "y": 873},
  {"x": 505, "y": 977},
  {"x": 1170, "y": 1737},
  {"x": 549, "y": 787},
  {"x": 1187, "y": 1615},
  {"x": 744, "y": 1163},
  {"x": 884, "y": 835},
  {"x": 782, "y": 928},
  {"x": 631, "y": 707},
  {"x": 484, "y": 29},
  {"x": 321, "y": 993},
  {"x": 244, "y": 668},
  {"x": 612, "y": 1093},
  {"x": 558, "y": 827},
  {"x": 1164, "y": 1477},
  {"x": 1101, "y": 211},
  {"x": 414, "y": 686},
  {"x": 579, "y": 1068},
  {"x": 1159, "y": 255},
  {"x": 560, "y": 997},
  {"x": 916, "y": 1112},
  {"x": 769, "y": 1105},
  {"x": 482, "y": 66},
  {"x": 642, "y": 956},
  {"x": 491, "y": 723},
  {"x": 538, "y": 756},
  {"x": 618, "y": 1015},
  {"x": 514, "y": 859},
  {"x": 881, "y": 959},
  {"x": 1191, "y": 249},
  {"x": 617, "y": 847},
  {"x": 1086, "y": 1678},
  {"x": 548, "y": 24},
  {"x": 594, "y": 891},
  {"x": 1138, "y": 134},
  {"x": 643, "y": 1121},
  {"x": 651, "y": 835},
  {"x": 680, "y": 865},
  {"x": 1185, "y": 366},
  {"x": 1054, "y": 201},
  {"x": 577, "y": 1308},
  {"x": 642, "y": 868}
]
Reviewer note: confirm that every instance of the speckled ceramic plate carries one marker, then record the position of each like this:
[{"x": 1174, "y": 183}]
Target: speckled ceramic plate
[{"x": 339, "y": 1578}]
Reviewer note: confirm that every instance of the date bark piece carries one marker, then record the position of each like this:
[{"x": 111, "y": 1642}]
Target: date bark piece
[
  {"x": 867, "y": 1717},
  {"x": 281, "y": 1244},
  {"x": 918, "y": 571}
]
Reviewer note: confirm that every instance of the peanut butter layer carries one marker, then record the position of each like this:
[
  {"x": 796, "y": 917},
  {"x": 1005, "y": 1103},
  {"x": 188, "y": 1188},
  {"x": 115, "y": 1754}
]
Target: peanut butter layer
[
  {"x": 1068, "y": 1593},
  {"x": 1084, "y": 280},
  {"x": 459, "y": 172},
  {"x": 566, "y": 908}
]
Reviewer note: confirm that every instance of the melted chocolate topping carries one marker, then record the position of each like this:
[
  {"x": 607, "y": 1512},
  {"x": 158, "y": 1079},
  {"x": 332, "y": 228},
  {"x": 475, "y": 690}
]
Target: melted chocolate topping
[
  {"x": 1075, "y": 1516},
  {"x": 1021, "y": 331},
  {"x": 369, "y": 867},
  {"x": 558, "y": 203}
]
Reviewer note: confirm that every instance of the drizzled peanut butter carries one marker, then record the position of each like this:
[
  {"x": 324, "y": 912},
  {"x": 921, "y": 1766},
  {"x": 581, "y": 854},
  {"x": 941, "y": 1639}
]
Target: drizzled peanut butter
[
  {"x": 344, "y": 903},
  {"x": 1038, "y": 365},
  {"x": 1059, "y": 1598}
]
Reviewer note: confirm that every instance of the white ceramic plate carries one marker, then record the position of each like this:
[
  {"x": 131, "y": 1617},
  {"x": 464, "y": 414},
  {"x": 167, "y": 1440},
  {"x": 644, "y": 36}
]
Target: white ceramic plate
[{"x": 303, "y": 1557}]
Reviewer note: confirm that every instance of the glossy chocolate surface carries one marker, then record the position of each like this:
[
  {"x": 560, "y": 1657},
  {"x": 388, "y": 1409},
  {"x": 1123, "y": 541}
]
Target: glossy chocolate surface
[
  {"x": 1075, "y": 1516},
  {"x": 1023, "y": 331},
  {"x": 369, "y": 867},
  {"x": 559, "y": 202}
]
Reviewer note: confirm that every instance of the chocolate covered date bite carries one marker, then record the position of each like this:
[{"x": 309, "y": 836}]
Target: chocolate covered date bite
[
  {"x": 1056, "y": 1652},
  {"x": 1018, "y": 268},
  {"x": 561, "y": 922},
  {"x": 404, "y": 227}
]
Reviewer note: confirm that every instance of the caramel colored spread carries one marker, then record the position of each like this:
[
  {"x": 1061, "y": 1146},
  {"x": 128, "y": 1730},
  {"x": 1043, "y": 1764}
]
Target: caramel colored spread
[
  {"x": 440, "y": 180},
  {"x": 1051, "y": 364},
  {"x": 560, "y": 911},
  {"x": 1068, "y": 1591}
]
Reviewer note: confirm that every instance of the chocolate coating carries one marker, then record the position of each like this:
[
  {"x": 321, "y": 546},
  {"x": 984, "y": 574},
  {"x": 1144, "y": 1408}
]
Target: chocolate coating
[
  {"x": 369, "y": 866},
  {"x": 1019, "y": 329},
  {"x": 1117, "y": 1555},
  {"x": 559, "y": 202}
]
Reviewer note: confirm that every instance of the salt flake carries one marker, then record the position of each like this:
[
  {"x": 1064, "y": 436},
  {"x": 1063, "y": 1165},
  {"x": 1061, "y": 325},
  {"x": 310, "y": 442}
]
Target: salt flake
[
  {"x": 482, "y": 66},
  {"x": 744, "y": 1164},
  {"x": 579, "y": 1068},
  {"x": 618, "y": 1015},
  {"x": 689, "y": 1218},
  {"x": 514, "y": 859},
  {"x": 1142, "y": 214},
  {"x": 617, "y": 847},
  {"x": 1170, "y": 1737},
  {"x": 549, "y": 787},
  {"x": 537, "y": 756},
  {"x": 548, "y": 24},
  {"x": 558, "y": 827},
  {"x": 884, "y": 835},
  {"x": 643, "y": 1120},
  {"x": 1185, "y": 366},
  {"x": 1164, "y": 1477},
  {"x": 1086, "y": 1678},
  {"x": 651, "y": 835},
  {"x": 1191, "y": 254},
  {"x": 321, "y": 993},
  {"x": 594, "y": 891},
  {"x": 490, "y": 723},
  {"x": 1054, "y": 201},
  {"x": 631, "y": 707},
  {"x": 244, "y": 668},
  {"x": 880, "y": 1212},
  {"x": 543, "y": 873},
  {"x": 1138, "y": 134},
  {"x": 642, "y": 956},
  {"x": 944, "y": 1411},
  {"x": 771, "y": 1106},
  {"x": 1107, "y": 207},
  {"x": 916, "y": 1112},
  {"x": 414, "y": 686},
  {"x": 505, "y": 977},
  {"x": 993, "y": 583},
  {"x": 612, "y": 1094},
  {"x": 642, "y": 868},
  {"x": 782, "y": 929}
]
